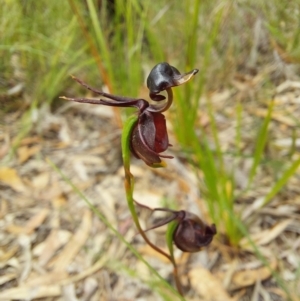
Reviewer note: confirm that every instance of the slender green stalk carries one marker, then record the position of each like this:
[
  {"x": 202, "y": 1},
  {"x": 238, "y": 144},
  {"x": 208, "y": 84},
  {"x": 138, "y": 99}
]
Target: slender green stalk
[
  {"x": 129, "y": 187},
  {"x": 169, "y": 239},
  {"x": 115, "y": 231}
]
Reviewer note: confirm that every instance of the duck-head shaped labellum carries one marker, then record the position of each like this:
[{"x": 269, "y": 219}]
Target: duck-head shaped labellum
[
  {"x": 164, "y": 76},
  {"x": 192, "y": 234}
]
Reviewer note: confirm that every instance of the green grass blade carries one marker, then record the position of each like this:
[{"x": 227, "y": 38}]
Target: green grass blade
[
  {"x": 281, "y": 182},
  {"x": 101, "y": 39},
  {"x": 261, "y": 141},
  {"x": 192, "y": 27}
]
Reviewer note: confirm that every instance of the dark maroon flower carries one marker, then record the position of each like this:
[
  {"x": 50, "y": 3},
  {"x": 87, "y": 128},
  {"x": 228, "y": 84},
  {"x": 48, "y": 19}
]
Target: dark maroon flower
[
  {"x": 149, "y": 135},
  {"x": 191, "y": 233}
]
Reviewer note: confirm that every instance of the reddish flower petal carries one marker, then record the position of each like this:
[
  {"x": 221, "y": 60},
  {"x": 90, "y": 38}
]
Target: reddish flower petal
[
  {"x": 147, "y": 129},
  {"x": 154, "y": 131},
  {"x": 161, "y": 134},
  {"x": 140, "y": 150},
  {"x": 150, "y": 137}
]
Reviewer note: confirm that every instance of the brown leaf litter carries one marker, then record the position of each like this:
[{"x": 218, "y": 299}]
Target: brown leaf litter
[{"x": 53, "y": 246}]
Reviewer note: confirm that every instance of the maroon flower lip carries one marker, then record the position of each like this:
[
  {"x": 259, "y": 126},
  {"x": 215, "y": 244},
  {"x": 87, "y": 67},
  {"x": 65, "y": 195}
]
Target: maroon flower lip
[{"x": 149, "y": 136}]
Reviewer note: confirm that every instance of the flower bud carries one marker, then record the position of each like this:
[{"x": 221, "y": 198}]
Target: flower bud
[
  {"x": 192, "y": 233},
  {"x": 189, "y": 233}
]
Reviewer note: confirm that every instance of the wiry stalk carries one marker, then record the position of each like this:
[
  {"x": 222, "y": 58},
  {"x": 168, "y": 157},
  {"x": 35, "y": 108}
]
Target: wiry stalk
[{"x": 129, "y": 186}]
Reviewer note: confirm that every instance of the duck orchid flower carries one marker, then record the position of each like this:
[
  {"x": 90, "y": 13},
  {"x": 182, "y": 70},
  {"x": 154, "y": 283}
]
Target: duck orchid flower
[
  {"x": 190, "y": 233},
  {"x": 149, "y": 136}
]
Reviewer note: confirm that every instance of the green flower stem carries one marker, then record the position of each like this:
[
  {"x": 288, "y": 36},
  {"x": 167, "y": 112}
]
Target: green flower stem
[
  {"x": 129, "y": 186},
  {"x": 114, "y": 230},
  {"x": 129, "y": 180},
  {"x": 169, "y": 239}
]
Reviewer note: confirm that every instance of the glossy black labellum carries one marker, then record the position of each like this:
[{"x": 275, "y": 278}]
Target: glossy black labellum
[{"x": 164, "y": 76}]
